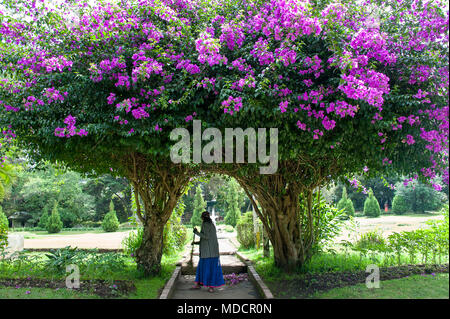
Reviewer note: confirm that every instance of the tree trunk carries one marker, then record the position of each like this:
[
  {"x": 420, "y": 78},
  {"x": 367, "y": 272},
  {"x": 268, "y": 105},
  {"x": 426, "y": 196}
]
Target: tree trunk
[
  {"x": 286, "y": 236},
  {"x": 149, "y": 254},
  {"x": 289, "y": 225},
  {"x": 159, "y": 184},
  {"x": 266, "y": 244}
]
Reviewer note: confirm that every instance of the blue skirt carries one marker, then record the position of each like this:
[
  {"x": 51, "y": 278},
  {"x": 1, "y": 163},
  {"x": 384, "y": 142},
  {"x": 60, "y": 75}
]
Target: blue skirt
[{"x": 209, "y": 272}]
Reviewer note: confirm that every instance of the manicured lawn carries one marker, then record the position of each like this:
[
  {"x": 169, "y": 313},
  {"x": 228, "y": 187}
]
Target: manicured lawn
[{"x": 413, "y": 287}]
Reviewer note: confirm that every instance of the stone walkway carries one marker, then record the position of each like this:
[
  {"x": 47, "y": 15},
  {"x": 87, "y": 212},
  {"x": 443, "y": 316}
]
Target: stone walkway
[
  {"x": 230, "y": 264},
  {"x": 243, "y": 290}
]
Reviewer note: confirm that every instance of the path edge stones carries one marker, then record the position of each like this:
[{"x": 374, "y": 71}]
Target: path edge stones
[
  {"x": 169, "y": 288},
  {"x": 255, "y": 277}
]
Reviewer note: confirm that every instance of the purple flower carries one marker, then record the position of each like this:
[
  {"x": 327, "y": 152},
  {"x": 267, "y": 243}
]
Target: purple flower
[{"x": 111, "y": 98}]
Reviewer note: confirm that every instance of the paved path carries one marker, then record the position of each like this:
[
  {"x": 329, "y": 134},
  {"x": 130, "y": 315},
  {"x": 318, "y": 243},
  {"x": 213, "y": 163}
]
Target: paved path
[
  {"x": 229, "y": 262},
  {"x": 243, "y": 290}
]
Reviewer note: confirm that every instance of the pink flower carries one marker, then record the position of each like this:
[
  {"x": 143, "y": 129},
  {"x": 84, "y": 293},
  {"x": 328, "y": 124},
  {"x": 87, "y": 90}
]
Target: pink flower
[
  {"x": 283, "y": 106},
  {"x": 410, "y": 139},
  {"x": 111, "y": 98}
]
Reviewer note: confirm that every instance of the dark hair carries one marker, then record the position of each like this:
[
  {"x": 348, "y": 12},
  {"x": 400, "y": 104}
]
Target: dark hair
[{"x": 205, "y": 217}]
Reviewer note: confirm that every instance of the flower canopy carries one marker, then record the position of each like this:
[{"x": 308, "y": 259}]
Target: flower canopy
[{"x": 364, "y": 83}]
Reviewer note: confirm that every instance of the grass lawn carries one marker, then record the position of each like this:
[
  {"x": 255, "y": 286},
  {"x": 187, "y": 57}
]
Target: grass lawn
[
  {"x": 327, "y": 271},
  {"x": 413, "y": 287},
  {"x": 408, "y": 214},
  {"x": 42, "y": 293}
]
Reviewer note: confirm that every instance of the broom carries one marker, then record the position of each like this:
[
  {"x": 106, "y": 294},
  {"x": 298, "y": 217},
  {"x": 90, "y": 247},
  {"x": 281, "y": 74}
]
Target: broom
[{"x": 191, "y": 262}]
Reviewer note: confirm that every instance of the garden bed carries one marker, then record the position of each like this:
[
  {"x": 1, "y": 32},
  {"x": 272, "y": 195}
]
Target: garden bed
[
  {"x": 102, "y": 288},
  {"x": 306, "y": 285},
  {"x": 96, "y": 250}
]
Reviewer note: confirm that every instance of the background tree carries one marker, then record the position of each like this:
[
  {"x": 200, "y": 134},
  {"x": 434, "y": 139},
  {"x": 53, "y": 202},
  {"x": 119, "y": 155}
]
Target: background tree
[
  {"x": 399, "y": 205},
  {"x": 54, "y": 224},
  {"x": 4, "y": 227},
  {"x": 346, "y": 204},
  {"x": 43, "y": 220},
  {"x": 234, "y": 203},
  {"x": 421, "y": 197},
  {"x": 105, "y": 187},
  {"x": 371, "y": 206},
  {"x": 110, "y": 222},
  {"x": 199, "y": 207},
  {"x": 42, "y": 185}
]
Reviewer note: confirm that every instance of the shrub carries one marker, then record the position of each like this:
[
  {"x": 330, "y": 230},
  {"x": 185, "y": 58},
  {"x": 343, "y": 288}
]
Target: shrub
[
  {"x": 328, "y": 225},
  {"x": 3, "y": 230},
  {"x": 54, "y": 224},
  {"x": 59, "y": 258},
  {"x": 245, "y": 231},
  {"x": 131, "y": 243},
  {"x": 421, "y": 197},
  {"x": 440, "y": 231},
  {"x": 346, "y": 204},
  {"x": 371, "y": 206},
  {"x": 175, "y": 234},
  {"x": 110, "y": 222},
  {"x": 229, "y": 228},
  {"x": 91, "y": 224},
  {"x": 43, "y": 220},
  {"x": 399, "y": 205},
  {"x": 372, "y": 240}
]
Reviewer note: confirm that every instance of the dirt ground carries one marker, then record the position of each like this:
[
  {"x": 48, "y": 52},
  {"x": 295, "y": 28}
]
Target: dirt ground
[
  {"x": 87, "y": 240},
  {"x": 386, "y": 225}
]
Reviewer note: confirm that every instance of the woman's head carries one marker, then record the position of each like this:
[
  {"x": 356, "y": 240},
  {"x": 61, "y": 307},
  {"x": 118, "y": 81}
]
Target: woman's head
[{"x": 206, "y": 217}]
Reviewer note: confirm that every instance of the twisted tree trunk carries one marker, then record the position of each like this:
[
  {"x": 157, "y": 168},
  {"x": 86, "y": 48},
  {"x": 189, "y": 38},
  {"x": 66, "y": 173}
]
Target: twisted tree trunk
[
  {"x": 289, "y": 225},
  {"x": 158, "y": 184},
  {"x": 282, "y": 222}
]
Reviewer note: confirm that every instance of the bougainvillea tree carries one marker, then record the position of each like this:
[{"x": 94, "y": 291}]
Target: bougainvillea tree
[{"x": 352, "y": 86}]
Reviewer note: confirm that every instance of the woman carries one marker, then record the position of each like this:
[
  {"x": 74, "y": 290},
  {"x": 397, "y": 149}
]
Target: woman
[{"x": 209, "y": 270}]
